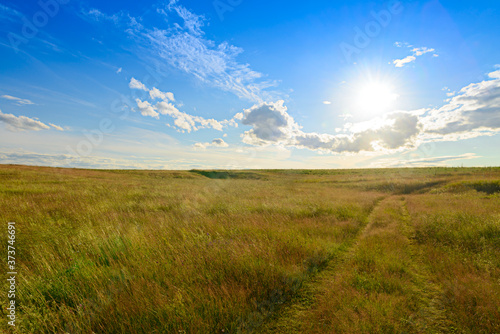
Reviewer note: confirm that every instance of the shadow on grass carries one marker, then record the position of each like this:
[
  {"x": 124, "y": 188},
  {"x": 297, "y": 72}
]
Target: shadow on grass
[
  {"x": 399, "y": 188},
  {"x": 488, "y": 187},
  {"x": 212, "y": 174}
]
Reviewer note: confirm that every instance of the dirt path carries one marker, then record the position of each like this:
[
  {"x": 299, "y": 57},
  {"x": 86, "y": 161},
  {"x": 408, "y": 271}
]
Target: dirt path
[{"x": 378, "y": 286}]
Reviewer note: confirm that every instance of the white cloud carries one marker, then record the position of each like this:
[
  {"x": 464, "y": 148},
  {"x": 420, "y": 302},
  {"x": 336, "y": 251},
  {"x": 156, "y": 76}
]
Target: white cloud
[
  {"x": 404, "y": 61},
  {"x": 395, "y": 131},
  {"x": 201, "y": 146},
  {"x": 182, "y": 121},
  {"x": 401, "y": 44},
  {"x": 57, "y": 127},
  {"x": 416, "y": 52},
  {"x": 495, "y": 74},
  {"x": 327, "y": 102},
  {"x": 146, "y": 108},
  {"x": 136, "y": 84},
  {"x": 423, "y": 162},
  {"x": 155, "y": 93},
  {"x": 421, "y": 51},
  {"x": 10, "y": 14},
  {"x": 185, "y": 48},
  {"x": 192, "y": 22},
  {"x": 473, "y": 111},
  {"x": 271, "y": 124},
  {"x": 67, "y": 160},
  {"x": 118, "y": 71},
  {"x": 21, "y": 123},
  {"x": 17, "y": 100},
  {"x": 217, "y": 142}
]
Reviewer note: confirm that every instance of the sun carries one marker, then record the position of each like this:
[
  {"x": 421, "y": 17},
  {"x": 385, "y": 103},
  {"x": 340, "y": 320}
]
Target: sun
[{"x": 375, "y": 97}]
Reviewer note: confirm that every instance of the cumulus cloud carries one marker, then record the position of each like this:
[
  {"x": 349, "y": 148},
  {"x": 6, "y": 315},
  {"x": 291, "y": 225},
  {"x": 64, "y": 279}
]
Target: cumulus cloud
[
  {"x": 327, "y": 102},
  {"x": 182, "y": 121},
  {"x": 189, "y": 123},
  {"x": 416, "y": 52},
  {"x": 17, "y": 100},
  {"x": 21, "y": 123},
  {"x": 395, "y": 131},
  {"x": 146, "y": 108},
  {"x": 136, "y": 84},
  {"x": 217, "y": 142},
  {"x": 155, "y": 93},
  {"x": 475, "y": 108},
  {"x": 271, "y": 124}
]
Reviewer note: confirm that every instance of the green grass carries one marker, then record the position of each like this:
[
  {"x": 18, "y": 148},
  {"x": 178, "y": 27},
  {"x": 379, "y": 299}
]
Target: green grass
[{"x": 341, "y": 251}]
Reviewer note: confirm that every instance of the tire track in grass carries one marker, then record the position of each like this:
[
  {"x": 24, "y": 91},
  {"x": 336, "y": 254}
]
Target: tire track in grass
[
  {"x": 378, "y": 286},
  {"x": 431, "y": 317},
  {"x": 288, "y": 318}
]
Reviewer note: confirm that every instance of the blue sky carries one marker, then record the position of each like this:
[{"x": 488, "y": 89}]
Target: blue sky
[{"x": 249, "y": 84}]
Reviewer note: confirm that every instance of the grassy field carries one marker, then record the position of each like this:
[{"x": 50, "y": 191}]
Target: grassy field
[{"x": 261, "y": 251}]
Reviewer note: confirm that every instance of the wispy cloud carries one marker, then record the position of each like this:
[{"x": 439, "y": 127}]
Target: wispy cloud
[
  {"x": 423, "y": 162},
  {"x": 185, "y": 47},
  {"x": 16, "y": 100},
  {"x": 97, "y": 15},
  {"x": 9, "y": 14},
  {"x": 65, "y": 160},
  {"x": 57, "y": 127},
  {"x": 416, "y": 52},
  {"x": 21, "y": 123}
]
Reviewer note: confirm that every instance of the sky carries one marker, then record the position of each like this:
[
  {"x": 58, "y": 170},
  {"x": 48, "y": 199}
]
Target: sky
[{"x": 236, "y": 84}]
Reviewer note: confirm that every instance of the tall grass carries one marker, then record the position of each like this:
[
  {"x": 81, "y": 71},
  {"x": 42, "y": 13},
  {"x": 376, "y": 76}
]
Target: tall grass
[
  {"x": 225, "y": 251},
  {"x": 132, "y": 252}
]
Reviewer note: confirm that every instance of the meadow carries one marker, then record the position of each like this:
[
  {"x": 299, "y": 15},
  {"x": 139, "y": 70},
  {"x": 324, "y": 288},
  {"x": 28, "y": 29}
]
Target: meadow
[{"x": 253, "y": 251}]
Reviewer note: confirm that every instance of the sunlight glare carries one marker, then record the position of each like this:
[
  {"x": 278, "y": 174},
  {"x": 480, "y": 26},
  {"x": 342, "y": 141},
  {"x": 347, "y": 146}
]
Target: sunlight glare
[{"x": 375, "y": 97}]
